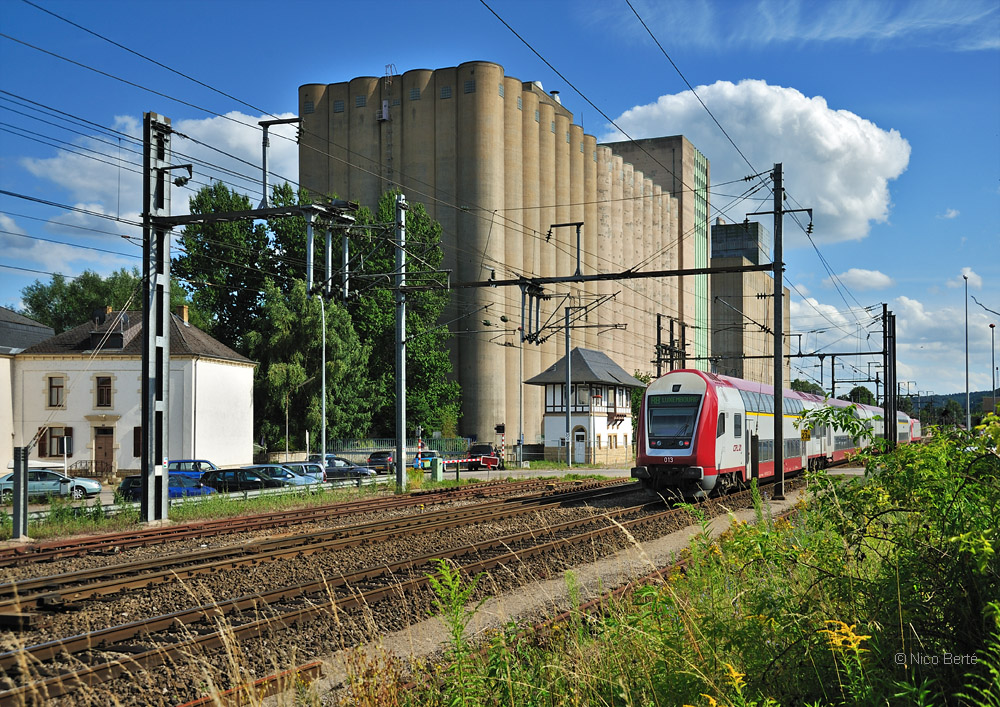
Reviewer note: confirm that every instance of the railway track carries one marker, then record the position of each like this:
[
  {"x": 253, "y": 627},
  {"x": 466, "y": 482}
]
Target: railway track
[
  {"x": 53, "y": 668},
  {"x": 14, "y": 555}
]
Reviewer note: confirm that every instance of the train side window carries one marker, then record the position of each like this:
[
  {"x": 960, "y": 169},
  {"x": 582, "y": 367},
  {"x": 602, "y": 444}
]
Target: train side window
[
  {"x": 737, "y": 425},
  {"x": 721, "y": 429}
]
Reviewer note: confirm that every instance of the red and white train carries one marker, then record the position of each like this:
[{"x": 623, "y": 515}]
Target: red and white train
[{"x": 696, "y": 429}]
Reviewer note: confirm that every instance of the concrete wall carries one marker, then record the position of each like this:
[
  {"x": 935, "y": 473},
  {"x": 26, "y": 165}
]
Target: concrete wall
[{"x": 496, "y": 162}]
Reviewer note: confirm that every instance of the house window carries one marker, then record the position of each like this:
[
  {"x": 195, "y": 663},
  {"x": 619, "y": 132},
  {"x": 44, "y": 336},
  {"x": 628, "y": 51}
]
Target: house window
[
  {"x": 597, "y": 441},
  {"x": 103, "y": 391},
  {"x": 56, "y": 441},
  {"x": 57, "y": 392},
  {"x": 612, "y": 441},
  {"x": 624, "y": 440}
]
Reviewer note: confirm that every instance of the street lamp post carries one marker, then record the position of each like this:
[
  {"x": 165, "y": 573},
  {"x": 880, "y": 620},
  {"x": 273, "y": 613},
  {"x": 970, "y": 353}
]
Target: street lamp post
[
  {"x": 968, "y": 409},
  {"x": 993, "y": 368}
]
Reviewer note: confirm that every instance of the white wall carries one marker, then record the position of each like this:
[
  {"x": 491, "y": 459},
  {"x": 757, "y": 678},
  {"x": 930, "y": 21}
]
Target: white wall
[
  {"x": 6, "y": 413},
  {"x": 223, "y": 412},
  {"x": 213, "y": 423}
]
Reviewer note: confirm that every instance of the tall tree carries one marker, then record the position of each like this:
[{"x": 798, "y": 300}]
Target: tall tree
[
  {"x": 432, "y": 400},
  {"x": 224, "y": 265},
  {"x": 859, "y": 394},
  {"x": 65, "y": 303},
  {"x": 286, "y": 342},
  {"x": 804, "y": 386}
]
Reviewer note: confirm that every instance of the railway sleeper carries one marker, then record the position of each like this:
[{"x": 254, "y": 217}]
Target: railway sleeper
[{"x": 23, "y": 621}]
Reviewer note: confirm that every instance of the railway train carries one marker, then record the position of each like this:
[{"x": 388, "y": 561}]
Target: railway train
[{"x": 696, "y": 431}]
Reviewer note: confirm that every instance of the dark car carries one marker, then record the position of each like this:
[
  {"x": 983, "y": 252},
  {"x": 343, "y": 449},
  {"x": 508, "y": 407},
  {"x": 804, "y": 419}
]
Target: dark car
[
  {"x": 228, "y": 480},
  {"x": 130, "y": 488},
  {"x": 342, "y": 470},
  {"x": 381, "y": 462},
  {"x": 284, "y": 474},
  {"x": 491, "y": 461}
]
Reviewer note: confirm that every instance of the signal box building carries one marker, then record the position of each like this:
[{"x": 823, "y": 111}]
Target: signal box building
[
  {"x": 600, "y": 402},
  {"x": 499, "y": 162}
]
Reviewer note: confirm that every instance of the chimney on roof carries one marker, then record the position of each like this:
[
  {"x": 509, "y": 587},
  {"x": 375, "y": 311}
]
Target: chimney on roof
[{"x": 182, "y": 312}]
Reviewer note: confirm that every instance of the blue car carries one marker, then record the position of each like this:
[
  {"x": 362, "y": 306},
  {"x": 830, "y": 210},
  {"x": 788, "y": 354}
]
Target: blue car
[
  {"x": 130, "y": 488},
  {"x": 191, "y": 468}
]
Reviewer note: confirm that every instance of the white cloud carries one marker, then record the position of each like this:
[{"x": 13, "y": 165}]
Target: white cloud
[
  {"x": 950, "y": 213},
  {"x": 972, "y": 25},
  {"x": 975, "y": 281},
  {"x": 835, "y": 162},
  {"x": 858, "y": 279}
]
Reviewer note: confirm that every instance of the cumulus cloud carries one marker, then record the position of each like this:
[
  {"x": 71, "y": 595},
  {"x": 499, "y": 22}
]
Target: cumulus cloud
[
  {"x": 975, "y": 281},
  {"x": 835, "y": 162},
  {"x": 950, "y": 213},
  {"x": 858, "y": 279}
]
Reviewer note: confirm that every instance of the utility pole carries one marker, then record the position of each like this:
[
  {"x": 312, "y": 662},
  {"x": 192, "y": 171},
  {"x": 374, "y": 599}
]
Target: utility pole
[
  {"x": 779, "y": 323},
  {"x": 401, "y": 209},
  {"x": 155, "y": 316}
]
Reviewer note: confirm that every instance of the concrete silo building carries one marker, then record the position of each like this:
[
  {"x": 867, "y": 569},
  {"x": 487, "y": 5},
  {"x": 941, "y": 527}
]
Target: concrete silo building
[{"x": 497, "y": 161}]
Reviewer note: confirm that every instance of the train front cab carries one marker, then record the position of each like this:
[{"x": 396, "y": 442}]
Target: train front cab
[{"x": 677, "y": 434}]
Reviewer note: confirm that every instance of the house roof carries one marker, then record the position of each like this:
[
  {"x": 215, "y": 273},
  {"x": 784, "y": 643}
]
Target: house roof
[
  {"x": 587, "y": 366},
  {"x": 185, "y": 339},
  {"x": 18, "y": 331}
]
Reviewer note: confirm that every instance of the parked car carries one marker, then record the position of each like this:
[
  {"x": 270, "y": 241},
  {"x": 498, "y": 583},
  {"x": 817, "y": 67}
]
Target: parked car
[
  {"x": 228, "y": 480},
  {"x": 282, "y": 473},
  {"x": 46, "y": 482},
  {"x": 422, "y": 460},
  {"x": 313, "y": 469},
  {"x": 381, "y": 462},
  {"x": 349, "y": 471},
  {"x": 483, "y": 450},
  {"x": 192, "y": 468},
  {"x": 130, "y": 489}
]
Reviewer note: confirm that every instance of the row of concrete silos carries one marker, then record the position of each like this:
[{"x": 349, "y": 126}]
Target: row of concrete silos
[{"x": 497, "y": 161}]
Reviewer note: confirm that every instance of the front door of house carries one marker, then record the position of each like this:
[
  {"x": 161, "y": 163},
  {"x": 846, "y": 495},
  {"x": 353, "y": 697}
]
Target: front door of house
[
  {"x": 579, "y": 447},
  {"x": 104, "y": 449}
]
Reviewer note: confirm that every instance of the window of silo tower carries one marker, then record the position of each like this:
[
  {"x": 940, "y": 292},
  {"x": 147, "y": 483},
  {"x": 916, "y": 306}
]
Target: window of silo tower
[
  {"x": 552, "y": 127},
  {"x": 414, "y": 94},
  {"x": 470, "y": 86},
  {"x": 446, "y": 92},
  {"x": 338, "y": 106},
  {"x": 537, "y": 116},
  {"x": 360, "y": 101},
  {"x": 519, "y": 103},
  {"x": 500, "y": 89}
]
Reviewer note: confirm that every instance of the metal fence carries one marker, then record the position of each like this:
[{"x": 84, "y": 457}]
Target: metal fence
[{"x": 357, "y": 450}]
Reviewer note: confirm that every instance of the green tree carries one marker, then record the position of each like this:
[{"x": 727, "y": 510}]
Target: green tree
[
  {"x": 224, "y": 265},
  {"x": 286, "y": 341},
  {"x": 804, "y": 386},
  {"x": 953, "y": 413},
  {"x": 859, "y": 394},
  {"x": 65, "y": 303},
  {"x": 637, "y": 393},
  {"x": 432, "y": 400}
]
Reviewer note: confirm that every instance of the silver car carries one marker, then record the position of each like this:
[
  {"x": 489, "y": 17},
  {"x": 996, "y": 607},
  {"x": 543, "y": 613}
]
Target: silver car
[{"x": 46, "y": 482}]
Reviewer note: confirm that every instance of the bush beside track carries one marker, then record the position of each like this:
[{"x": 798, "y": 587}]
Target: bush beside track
[{"x": 882, "y": 590}]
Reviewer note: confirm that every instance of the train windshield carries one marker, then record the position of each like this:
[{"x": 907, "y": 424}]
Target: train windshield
[{"x": 671, "y": 418}]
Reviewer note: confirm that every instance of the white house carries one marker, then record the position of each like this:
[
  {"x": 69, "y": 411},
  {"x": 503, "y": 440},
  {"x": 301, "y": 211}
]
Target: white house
[
  {"x": 17, "y": 332},
  {"x": 80, "y": 393},
  {"x": 600, "y": 411}
]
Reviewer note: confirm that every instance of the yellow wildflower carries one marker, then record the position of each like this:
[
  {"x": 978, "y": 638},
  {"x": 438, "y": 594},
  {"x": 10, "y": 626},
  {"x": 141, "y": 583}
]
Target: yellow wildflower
[
  {"x": 735, "y": 676},
  {"x": 842, "y": 637}
]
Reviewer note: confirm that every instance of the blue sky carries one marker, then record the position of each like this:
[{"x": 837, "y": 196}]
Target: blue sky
[{"x": 885, "y": 116}]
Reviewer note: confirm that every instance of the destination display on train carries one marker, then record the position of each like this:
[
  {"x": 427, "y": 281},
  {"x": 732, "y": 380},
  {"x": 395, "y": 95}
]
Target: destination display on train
[{"x": 674, "y": 401}]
